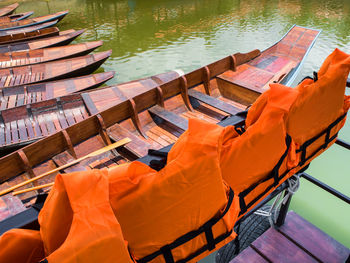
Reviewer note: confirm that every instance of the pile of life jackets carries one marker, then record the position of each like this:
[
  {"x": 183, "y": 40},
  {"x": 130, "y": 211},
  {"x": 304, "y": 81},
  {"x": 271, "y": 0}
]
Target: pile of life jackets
[{"x": 213, "y": 176}]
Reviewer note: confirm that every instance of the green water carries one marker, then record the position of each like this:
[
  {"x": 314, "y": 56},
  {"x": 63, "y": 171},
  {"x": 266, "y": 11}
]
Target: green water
[{"x": 154, "y": 36}]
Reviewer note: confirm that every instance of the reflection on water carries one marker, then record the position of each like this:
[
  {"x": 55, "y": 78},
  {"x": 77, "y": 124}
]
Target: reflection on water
[{"x": 153, "y": 36}]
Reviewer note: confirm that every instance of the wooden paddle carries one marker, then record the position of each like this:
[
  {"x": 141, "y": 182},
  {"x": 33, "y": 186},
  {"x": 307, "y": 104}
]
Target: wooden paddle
[
  {"x": 95, "y": 153},
  {"x": 49, "y": 184},
  {"x": 33, "y": 188}
]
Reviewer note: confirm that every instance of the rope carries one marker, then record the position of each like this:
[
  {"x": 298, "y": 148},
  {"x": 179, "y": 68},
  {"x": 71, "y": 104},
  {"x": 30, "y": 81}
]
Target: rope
[{"x": 293, "y": 186}]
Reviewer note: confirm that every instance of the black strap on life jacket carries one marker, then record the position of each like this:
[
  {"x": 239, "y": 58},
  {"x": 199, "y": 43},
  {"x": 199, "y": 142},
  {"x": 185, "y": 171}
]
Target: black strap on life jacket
[
  {"x": 166, "y": 250},
  {"x": 274, "y": 174},
  {"x": 161, "y": 162},
  {"x": 328, "y": 140}
]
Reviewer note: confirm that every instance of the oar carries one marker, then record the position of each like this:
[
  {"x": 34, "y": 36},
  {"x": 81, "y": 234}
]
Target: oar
[
  {"x": 33, "y": 188},
  {"x": 50, "y": 184},
  {"x": 95, "y": 153}
]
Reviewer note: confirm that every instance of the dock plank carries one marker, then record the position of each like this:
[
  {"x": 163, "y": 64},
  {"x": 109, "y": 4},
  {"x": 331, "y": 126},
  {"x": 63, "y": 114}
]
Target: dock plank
[
  {"x": 248, "y": 255},
  {"x": 277, "y": 248},
  {"x": 303, "y": 233}
]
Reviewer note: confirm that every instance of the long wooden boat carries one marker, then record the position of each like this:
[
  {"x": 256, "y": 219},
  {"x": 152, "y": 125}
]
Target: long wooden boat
[
  {"x": 21, "y": 37},
  {"x": 63, "y": 38},
  {"x": 152, "y": 112},
  {"x": 28, "y": 94},
  {"x": 15, "y": 17},
  {"x": 55, "y": 70},
  {"x": 27, "y": 29},
  {"x": 8, "y": 10},
  {"x": 33, "y": 21},
  {"x": 32, "y": 57}
]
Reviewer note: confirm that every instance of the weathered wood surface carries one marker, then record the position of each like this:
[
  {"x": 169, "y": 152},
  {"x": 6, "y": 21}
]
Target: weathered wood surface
[
  {"x": 16, "y": 17},
  {"x": 31, "y": 57},
  {"x": 4, "y": 26},
  {"x": 55, "y": 70},
  {"x": 296, "y": 241},
  {"x": 248, "y": 81},
  {"x": 154, "y": 110},
  {"x": 28, "y": 94},
  {"x": 21, "y": 37},
  {"x": 63, "y": 38},
  {"x": 8, "y": 10},
  {"x": 28, "y": 29},
  {"x": 9, "y": 206}
]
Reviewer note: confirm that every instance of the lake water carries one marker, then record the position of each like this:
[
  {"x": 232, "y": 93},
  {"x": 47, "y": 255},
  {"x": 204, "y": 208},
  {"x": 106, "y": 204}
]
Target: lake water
[{"x": 154, "y": 36}]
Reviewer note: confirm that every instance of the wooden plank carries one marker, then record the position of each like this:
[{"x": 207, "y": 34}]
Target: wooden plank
[
  {"x": 214, "y": 102},
  {"x": 69, "y": 117},
  {"x": 42, "y": 124},
  {"x": 89, "y": 103},
  {"x": 14, "y": 131},
  {"x": 248, "y": 255},
  {"x": 29, "y": 126},
  {"x": 318, "y": 243},
  {"x": 2, "y": 135},
  {"x": 49, "y": 123},
  {"x": 277, "y": 248},
  {"x": 8, "y": 133},
  {"x": 160, "y": 115},
  {"x": 22, "y": 130},
  {"x": 137, "y": 146},
  {"x": 4, "y": 103}
]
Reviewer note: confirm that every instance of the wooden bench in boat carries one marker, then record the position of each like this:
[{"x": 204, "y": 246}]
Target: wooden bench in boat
[{"x": 297, "y": 240}]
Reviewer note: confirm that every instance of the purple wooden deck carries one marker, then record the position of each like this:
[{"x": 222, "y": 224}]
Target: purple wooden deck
[{"x": 296, "y": 241}]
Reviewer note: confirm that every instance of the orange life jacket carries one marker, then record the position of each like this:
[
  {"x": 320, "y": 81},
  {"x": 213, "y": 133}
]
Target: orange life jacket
[
  {"x": 21, "y": 245},
  {"x": 184, "y": 210},
  {"x": 78, "y": 223}
]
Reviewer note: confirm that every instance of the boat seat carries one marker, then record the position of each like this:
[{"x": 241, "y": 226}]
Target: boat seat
[
  {"x": 214, "y": 102},
  {"x": 136, "y": 147},
  {"x": 250, "y": 80},
  {"x": 161, "y": 115}
]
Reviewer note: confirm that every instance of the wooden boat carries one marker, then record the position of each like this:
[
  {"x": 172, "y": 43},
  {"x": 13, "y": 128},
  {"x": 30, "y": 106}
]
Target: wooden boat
[
  {"x": 27, "y": 29},
  {"x": 15, "y": 17},
  {"x": 31, "y": 57},
  {"x": 21, "y": 37},
  {"x": 55, "y": 70},
  {"x": 33, "y": 21},
  {"x": 63, "y": 38},
  {"x": 152, "y": 112},
  {"x": 8, "y": 10},
  {"x": 22, "y": 95}
]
